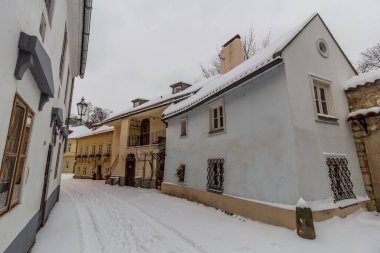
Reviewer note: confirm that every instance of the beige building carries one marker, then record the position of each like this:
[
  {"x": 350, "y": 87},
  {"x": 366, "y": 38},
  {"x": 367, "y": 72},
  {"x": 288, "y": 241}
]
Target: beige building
[
  {"x": 363, "y": 95},
  {"x": 68, "y": 161},
  {"x": 93, "y": 153},
  {"x": 139, "y": 138}
]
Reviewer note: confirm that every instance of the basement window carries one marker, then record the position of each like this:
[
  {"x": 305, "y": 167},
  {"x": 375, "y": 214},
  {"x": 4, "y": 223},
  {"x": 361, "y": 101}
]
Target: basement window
[
  {"x": 181, "y": 173},
  {"x": 340, "y": 177},
  {"x": 215, "y": 175}
]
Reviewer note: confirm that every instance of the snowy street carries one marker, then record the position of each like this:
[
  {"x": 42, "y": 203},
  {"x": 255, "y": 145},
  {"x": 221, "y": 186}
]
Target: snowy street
[{"x": 94, "y": 217}]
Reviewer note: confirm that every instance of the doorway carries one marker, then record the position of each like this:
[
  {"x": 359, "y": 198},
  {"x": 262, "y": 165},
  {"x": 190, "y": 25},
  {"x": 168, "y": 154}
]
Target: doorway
[
  {"x": 130, "y": 165},
  {"x": 41, "y": 219},
  {"x": 372, "y": 144},
  {"x": 99, "y": 172}
]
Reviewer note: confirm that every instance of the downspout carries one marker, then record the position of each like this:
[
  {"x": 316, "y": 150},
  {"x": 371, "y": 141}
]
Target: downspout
[{"x": 85, "y": 35}]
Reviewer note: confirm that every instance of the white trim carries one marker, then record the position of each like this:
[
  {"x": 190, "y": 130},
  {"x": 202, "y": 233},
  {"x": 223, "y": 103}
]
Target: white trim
[{"x": 211, "y": 107}]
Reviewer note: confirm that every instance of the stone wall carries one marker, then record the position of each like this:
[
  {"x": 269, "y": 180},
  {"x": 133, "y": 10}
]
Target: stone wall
[{"x": 364, "y": 97}]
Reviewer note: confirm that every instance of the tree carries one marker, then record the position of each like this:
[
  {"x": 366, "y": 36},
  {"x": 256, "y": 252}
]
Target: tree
[
  {"x": 94, "y": 115},
  {"x": 250, "y": 48},
  {"x": 370, "y": 59}
]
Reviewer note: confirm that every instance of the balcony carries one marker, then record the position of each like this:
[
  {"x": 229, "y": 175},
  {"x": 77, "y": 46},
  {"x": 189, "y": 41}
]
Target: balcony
[{"x": 146, "y": 139}]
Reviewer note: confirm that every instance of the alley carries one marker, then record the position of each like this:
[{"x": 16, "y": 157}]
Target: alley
[{"x": 94, "y": 217}]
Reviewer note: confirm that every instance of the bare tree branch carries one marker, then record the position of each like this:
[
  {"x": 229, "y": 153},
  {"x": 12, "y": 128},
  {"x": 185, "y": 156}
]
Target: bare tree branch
[
  {"x": 370, "y": 59},
  {"x": 250, "y": 48}
]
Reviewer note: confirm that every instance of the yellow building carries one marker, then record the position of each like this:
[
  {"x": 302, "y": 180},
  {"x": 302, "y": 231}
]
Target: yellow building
[
  {"x": 68, "y": 161},
  {"x": 93, "y": 153},
  {"x": 139, "y": 139}
]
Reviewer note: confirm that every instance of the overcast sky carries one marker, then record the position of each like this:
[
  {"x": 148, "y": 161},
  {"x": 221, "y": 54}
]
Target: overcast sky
[{"x": 139, "y": 47}]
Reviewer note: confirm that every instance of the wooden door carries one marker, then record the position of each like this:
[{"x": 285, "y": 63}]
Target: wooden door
[
  {"x": 372, "y": 145},
  {"x": 45, "y": 187},
  {"x": 99, "y": 172},
  {"x": 130, "y": 165}
]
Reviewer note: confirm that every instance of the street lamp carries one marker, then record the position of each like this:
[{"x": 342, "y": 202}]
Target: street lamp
[{"x": 82, "y": 108}]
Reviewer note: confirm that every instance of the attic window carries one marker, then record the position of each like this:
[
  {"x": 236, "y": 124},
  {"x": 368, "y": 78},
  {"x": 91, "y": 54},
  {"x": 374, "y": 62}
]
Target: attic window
[
  {"x": 322, "y": 47},
  {"x": 177, "y": 89},
  {"x": 136, "y": 103}
]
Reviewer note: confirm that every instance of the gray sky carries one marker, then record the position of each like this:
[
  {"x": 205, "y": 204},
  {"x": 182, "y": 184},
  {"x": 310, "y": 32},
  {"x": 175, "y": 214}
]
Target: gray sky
[{"x": 139, "y": 47}]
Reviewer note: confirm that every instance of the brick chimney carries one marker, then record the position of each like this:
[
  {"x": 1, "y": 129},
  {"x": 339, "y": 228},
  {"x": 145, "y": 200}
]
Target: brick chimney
[{"x": 231, "y": 55}]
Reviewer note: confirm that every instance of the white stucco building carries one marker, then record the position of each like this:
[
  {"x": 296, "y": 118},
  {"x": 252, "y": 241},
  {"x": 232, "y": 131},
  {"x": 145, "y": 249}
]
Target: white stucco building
[
  {"x": 268, "y": 131},
  {"x": 43, "y": 48}
]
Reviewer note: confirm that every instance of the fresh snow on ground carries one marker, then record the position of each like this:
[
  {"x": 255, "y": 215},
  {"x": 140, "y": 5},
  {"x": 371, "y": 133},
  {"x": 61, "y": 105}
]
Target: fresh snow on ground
[{"x": 93, "y": 217}]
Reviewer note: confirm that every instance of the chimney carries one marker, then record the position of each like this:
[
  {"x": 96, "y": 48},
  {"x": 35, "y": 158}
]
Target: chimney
[{"x": 231, "y": 55}]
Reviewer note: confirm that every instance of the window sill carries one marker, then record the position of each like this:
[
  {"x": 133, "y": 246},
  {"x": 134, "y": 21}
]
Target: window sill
[
  {"x": 183, "y": 136},
  {"x": 327, "y": 119},
  {"x": 216, "y": 132}
]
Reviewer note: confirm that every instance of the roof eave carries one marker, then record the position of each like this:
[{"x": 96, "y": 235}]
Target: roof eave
[{"x": 261, "y": 70}]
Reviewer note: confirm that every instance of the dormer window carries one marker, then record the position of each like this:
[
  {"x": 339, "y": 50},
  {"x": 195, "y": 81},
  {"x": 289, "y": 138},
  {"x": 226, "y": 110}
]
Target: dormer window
[
  {"x": 139, "y": 101},
  {"x": 178, "y": 87}
]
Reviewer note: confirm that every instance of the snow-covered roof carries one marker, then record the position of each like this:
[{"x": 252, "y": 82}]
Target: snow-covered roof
[
  {"x": 364, "y": 113},
  {"x": 252, "y": 67},
  {"x": 156, "y": 102},
  {"x": 77, "y": 131},
  {"x": 100, "y": 130},
  {"x": 362, "y": 79}
]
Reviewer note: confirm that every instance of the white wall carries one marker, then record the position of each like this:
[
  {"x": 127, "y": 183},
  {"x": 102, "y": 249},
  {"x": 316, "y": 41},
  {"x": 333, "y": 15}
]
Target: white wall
[
  {"x": 17, "y": 16},
  {"x": 258, "y": 144},
  {"x": 312, "y": 137}
]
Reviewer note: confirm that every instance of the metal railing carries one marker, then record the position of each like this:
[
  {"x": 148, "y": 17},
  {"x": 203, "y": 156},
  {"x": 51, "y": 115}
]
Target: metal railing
[{"x": 146, "y": 138}]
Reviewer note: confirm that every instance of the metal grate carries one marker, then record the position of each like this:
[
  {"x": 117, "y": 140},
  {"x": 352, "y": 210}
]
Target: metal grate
[
  {"x": 339, "y": 174},
  {"x": 215, "y": 175}
]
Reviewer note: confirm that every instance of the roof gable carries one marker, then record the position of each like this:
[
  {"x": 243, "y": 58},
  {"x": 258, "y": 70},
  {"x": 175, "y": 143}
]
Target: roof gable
[{"x": 264, "y": 60}]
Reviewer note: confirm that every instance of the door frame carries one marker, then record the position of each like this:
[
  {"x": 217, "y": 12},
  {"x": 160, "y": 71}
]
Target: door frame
[{"x": 45, "y": 188}]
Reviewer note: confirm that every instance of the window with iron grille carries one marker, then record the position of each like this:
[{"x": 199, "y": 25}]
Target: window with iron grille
[
  {"x": 215, "y": 175},
  {"x": 339, "y": 174}
]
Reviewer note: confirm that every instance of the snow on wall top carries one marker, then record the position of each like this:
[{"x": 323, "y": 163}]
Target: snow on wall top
[
  {"x": 258, "y": 61},
  {"x": 100, "y": 130},
  {"x": 362, "y": 79},
  {"x": 77, "y": 131},
  {"x": 373, "y": 111},
  {"x": 162, "y": 100}
]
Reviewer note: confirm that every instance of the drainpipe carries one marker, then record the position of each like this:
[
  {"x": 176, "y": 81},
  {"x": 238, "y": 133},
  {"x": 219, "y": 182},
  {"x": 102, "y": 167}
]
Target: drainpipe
[{"x": 86, "y": 34}]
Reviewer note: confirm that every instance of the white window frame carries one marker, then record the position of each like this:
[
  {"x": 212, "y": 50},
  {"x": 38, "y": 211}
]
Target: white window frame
[
  {"x": 318, "y": 83},
  {"x": 217, "y": 105},
  {"x": 186, "y": 128}
]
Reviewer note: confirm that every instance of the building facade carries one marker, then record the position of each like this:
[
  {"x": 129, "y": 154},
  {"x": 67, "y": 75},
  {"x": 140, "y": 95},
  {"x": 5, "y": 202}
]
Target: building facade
[
  {"x": 43, "y": 48},
  {"x": 139, "y": 138},
  {"x": 93, "y": 153},
  {"x": 269, "y": 131},
  {"x": 363, "y": 95},
  {"x": 68, "y": 161}
]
